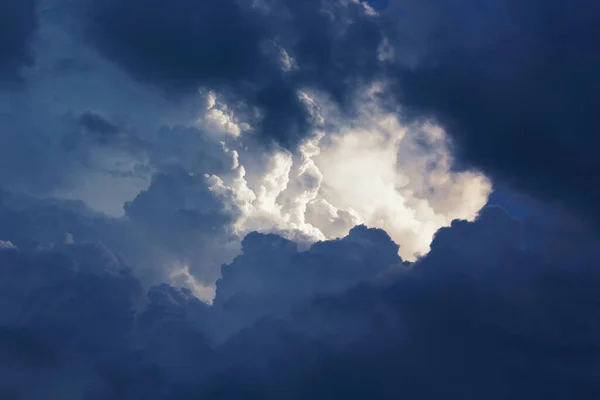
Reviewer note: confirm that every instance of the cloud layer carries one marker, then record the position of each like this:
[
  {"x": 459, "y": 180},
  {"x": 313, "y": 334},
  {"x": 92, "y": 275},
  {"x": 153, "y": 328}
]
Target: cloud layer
[
  {"x": 515, "y": 85},
  {"x": 267, "y": 199},
  {"x": 479, "y": 316}
]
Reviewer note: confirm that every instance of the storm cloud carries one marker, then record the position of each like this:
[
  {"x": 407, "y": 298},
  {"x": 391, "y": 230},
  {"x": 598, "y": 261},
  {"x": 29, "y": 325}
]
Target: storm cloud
[
  {"x": 515, "y": 83},
  {"x": 18, "y": 23},
  {"x": 484, "y": 314},
  {"x": 262, "y": 51},
  {"x": 290, "y": 199}
]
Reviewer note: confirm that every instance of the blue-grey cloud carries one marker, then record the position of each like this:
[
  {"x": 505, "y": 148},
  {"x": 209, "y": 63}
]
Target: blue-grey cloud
[
  {"x": 180, "y": 215},
  {"x": 513, "y": 83},
  {"x": 492, "y": 311},
  {"x": 516, "y": 85},
  {"x": 239, "y": 47},
  {"x": 131, "y": 341},
  {"x": 18, "y": 23},
  {"x": 100, "y": 307},
  {"x": 479, "y": 316},
  {"x": 272, "y": 276}
]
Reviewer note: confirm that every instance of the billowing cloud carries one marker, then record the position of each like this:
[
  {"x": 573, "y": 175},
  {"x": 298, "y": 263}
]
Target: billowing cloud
[
  {"x": 487, "y": 313},
  {"x": 218, "y": 199},
  {"x": 261, "y": 51},
  {"x": 371, "y": 169},
  {"x": 272, "y": 276},
  {"x": 514, "y": 83},
  {"x": 124, "y": 142},
  {"x": 479, "y": 316}
]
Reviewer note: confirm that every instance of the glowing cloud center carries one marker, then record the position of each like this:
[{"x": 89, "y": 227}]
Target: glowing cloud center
[{"x": 371, "y": 170}]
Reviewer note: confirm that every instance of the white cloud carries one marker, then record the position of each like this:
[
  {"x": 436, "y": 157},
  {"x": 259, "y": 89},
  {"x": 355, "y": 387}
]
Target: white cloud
[
  {"x": 372, "y": 169},
  {"x": 180, "y": 276},
  {"x": 219, "y": 118},
  {"x": 7, "y": 245}
]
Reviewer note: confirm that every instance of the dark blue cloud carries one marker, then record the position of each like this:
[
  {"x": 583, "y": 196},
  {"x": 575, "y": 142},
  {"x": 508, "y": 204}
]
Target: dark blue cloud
[
  {"x": 498, "y": 309},
  {"x": 271, "y": 276},
  {"x": 163, "y": 225},
  {"x": 18, "y": 23},
  {"x": 484, "y": 314},
  {"x": 479, "y": 317},
  {"x": 74, "y": 316},
  {"x": 61, "y": 308},
  {"x": 516, "y": 85},
  {"x": 236, "y": 47}
]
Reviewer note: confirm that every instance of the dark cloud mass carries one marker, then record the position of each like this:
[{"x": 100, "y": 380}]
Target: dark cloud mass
[
  {"x": 480, "y": 316},
  {"x": 272, "y": 276},
  {"x": 181, "y": 43},
  {"x": 18, "y": 22},
  {"x": 485, "y": 320},
  {"x": 245, "y": 47},
  {"x": 178, "y": 93},
  {"x": 516, "y": 84}
]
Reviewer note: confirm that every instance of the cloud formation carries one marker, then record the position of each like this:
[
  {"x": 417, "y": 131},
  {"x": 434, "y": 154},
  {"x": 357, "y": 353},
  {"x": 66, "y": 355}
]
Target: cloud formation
[
  {"x": 129, "y": 132},
  {"x": 480, "y": 315},
  {"x": 261, "y": 51},
  {"x": 280, "y": 198},
  {"x": 515, "y": 85},
  {"x": 372, "y": 169},
  {"x": 18, "y": 23}
]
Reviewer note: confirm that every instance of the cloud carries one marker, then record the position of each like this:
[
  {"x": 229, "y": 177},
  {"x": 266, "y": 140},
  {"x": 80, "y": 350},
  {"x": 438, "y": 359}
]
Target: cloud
[
  {"x": 180, "y": 216},
  {"x": 285, "y": 159},
  {"x": 171, "y": 248},
  {"x": 83, "y": 129},
  {"x": 261, "y": 51},
  {"x": 271, "y": 275},
  {"x": 18, "y": 22},
  {"x": 87, "y": 326},
  {"x": 514, "y": 84},
  {"x": 373, "y": 169},
  {"x": 492, "y": 310},
  {"x": 61, "y": 309},
  {"x": 6, "y": 245},
  {"x": 479, "y": 316}
]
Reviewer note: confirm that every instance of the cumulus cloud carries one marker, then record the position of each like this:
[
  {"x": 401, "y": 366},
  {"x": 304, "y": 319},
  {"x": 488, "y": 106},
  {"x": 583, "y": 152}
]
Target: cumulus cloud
[
  {"x": 248, "y": 179},
  {"x": 515, "y": 85},
  {"x": 373, "y": 169},
  {"x": 271, "y": 275},
  {"x": 61, "y": 309},
  {"x": 479, "y": 316},
  {"x": 148, "y": 242},
  {"x": 124, "y": 143},
  {"x": 165, "y": 333},
  {"x": 261, "y": 51},
  {"x": 182, "y": 218},
  {"x": 484, "y": 314}
]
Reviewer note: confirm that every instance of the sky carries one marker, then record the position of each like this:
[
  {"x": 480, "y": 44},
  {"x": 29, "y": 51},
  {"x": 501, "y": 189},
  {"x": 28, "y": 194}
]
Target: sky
[{"x": 313, "y": 199}]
